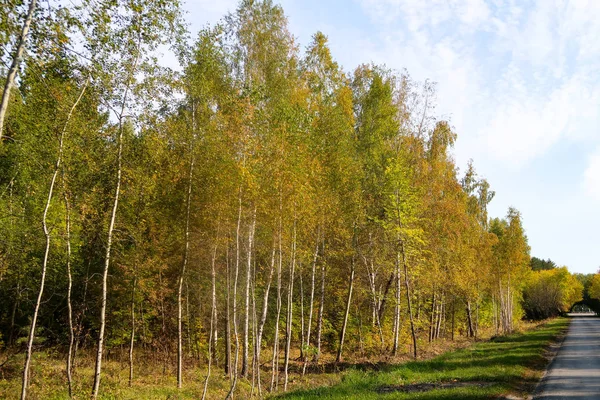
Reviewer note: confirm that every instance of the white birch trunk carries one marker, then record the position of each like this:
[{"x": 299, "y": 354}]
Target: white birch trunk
[
  {"x": 338, "y": 357},
  {"x": 290, "y": 309},
  {"x": 132, "y": 333},
  {"x": 14, "y": 66},
  {"x": 235, "y": 284},
  {"x": 321, "y": 308},
  {"x": 247, "y": 294},
  {"x": 409, "y": 302},
  {"x": 111, "y": 227},
  {"x": 263, "y": 318},
  {"x": 275, "y": 361},
  {"x": 69, "y": 303},
  {"x": 46, "y": 230},
  {"x": 213, "y": 318},
  {"x": 184, "y": 264},
  {"x": 310, "y": 306}
]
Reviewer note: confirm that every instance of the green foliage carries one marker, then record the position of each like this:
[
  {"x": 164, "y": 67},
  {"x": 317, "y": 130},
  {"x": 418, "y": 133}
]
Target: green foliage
[{"x": 538, "y": 264}]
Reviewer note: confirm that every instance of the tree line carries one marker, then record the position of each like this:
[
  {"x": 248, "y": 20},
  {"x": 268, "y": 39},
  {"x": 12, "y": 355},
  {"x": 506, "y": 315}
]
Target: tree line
[{"x": 261, "y": 208}]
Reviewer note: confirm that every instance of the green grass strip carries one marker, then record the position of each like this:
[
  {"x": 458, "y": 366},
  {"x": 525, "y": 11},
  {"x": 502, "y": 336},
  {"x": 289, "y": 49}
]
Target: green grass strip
[{"x": 507, "y": 364}]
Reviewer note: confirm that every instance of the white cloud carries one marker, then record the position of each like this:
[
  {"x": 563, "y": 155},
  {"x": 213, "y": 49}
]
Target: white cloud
[
  {"x": 525, "y": 126},
  {"x": 509, "y": 72}
]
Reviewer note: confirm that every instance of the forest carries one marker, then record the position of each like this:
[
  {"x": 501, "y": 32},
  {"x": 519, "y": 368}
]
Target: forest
[{"x": 255, "y": 215}]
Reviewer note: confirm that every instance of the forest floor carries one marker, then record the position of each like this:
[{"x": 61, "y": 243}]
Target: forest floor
[{"x": 448, "y": 370}]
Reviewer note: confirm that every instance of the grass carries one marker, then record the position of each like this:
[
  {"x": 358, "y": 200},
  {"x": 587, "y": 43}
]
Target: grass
[{"x": 510, "y": 364}]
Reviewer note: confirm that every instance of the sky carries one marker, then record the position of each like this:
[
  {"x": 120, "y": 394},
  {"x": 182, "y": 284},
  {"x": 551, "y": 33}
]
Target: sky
[{"x": 517, "y": 79}]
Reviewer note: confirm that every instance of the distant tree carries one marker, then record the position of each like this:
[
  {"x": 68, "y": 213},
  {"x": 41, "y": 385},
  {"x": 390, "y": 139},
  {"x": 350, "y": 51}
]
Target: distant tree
[
  {"x": 538, "y": 264},
  {"x": 548, "y": 293}
]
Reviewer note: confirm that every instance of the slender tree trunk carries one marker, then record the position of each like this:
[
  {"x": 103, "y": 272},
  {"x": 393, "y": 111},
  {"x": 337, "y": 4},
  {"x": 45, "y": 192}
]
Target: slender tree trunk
[
  {"x": 300, "y": 274},
  {"x": 263, "y": 318},
  {"x": 98, "y": 369},
  {"x": 275, "y": 361},
  {"x": 409, "y": 303},
  {"x": 360, "y": 336},
  {"x": 46, "y": 230},
  {"x": 228, "y": 320},
  {"x": 311, "y": 305},
  {"x": 388, "y": 285},
  {"x": 213, "y": 317},
  {"x": 376, "y": 306},
  {"x": 338, "y": 357},
  {"x": 290, "y": 309},
  {"x": 235, "y": 285},
  {"x": 190, "y": 351},
  {"x": 132, "y": 334},
  {"x": 255, "y": 366},
  {"x": 453, "y": 317},
  {"x": 470, "y": 331},
  {"x": 397, "y": 306},
  {"x": 81, "y": 315},
  {"x": 440, "y": 316},
  {"x": 247, "y": 300},
  {"x": 186, "y": 254},
  {"x": 321, "y": 309},
  {"x": 14, "y": 66},
  {"x": 111, "y": 227},
  {"x": 432, "y": 317},
  {"x": 69, "y": 289},
  {"x": 254, "y": 328},
  {"x": 509, "y": 307},
  {"x": 476, "y": 317}
]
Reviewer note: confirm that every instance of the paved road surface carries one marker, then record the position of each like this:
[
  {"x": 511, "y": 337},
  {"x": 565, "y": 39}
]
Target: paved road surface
[{"x": 575, "y": 371}]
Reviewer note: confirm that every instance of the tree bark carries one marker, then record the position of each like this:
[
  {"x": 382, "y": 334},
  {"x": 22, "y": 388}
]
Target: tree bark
[
  {"x": 432, "y": 316},
  {"x": 470, "y": 330},
  {"x": 227, "y": 366},
  {"x": 14, "y": 66},
  {"x": 213, "y": 317},
  {"x": 321, "y": 309},
  {"x": 132, "y": 334},
  {"x": 300, "y": 274},
  {"x": 235, "y": 284},
  {"x": 186, "y": 253},
  {"x": 290, "y": 309},
  {"x": 311, "y": 305},
  {"x": 338, "y": 357},
  {"x": 263, "y": 318},
  {"x": 69, "y": 289},
  {"x": 409, "y": 303},
  {"x": 397, "y": 306},
  {"x": 275, "y": 361},
  {"x": 247, "y": 300}
]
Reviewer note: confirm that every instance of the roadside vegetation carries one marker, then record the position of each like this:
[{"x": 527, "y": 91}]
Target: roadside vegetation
[{"x": 511, "y": 364}]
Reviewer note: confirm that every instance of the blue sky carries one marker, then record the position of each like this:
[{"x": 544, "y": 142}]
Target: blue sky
[{"x": 517, "y": 79}]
